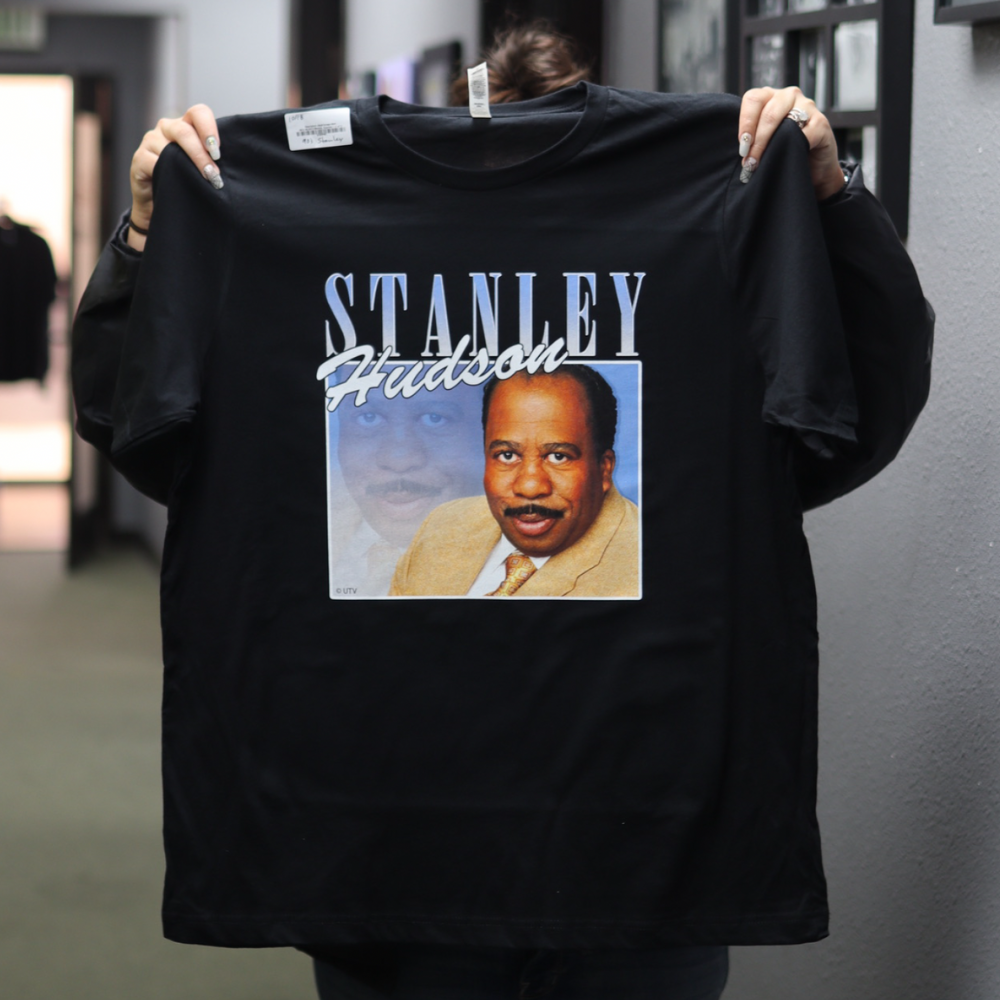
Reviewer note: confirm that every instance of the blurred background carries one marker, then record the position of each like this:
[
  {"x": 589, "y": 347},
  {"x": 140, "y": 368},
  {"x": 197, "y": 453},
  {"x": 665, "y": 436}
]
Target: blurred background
[{"x": 907, "y": 567}]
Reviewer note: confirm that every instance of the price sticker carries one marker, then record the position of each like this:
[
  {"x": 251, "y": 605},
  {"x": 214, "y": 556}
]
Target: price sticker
[{"x": 319, "y": 128}]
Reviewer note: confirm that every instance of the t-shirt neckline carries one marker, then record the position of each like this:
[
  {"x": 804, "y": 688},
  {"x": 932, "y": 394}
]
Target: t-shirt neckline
[{"x": 589, "y": 98}]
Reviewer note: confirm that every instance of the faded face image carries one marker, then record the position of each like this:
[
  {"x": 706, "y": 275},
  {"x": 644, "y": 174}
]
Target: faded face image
[
  {"x": 545, "y": 481},
  {"x": 400, "y": 458}
]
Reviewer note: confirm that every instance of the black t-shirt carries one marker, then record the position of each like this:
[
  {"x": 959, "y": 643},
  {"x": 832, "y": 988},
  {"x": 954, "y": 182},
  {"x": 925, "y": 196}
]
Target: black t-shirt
[{"x": 359, "y": 744}]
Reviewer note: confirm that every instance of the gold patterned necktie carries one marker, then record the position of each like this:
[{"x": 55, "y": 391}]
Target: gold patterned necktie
[{"x": 519, "y": 569}]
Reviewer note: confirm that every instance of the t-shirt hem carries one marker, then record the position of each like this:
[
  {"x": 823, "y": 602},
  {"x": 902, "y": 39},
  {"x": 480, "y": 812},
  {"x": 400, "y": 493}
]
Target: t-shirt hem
[
  {"x": 147, "y": 456},
  {"x": 816, "y": 424},
  {"x": 796, "y": 927},
  {"x": 97, "y": 432},
  {"x": 140, "y": 434}
]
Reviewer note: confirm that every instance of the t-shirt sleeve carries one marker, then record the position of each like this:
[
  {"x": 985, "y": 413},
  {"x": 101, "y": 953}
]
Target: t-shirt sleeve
[
  {"x": 780, "y": 273},
  {"x": 173, "y": 317},
  {"x": 98, "y": 337},
  {"x": 889, "y": 329}
]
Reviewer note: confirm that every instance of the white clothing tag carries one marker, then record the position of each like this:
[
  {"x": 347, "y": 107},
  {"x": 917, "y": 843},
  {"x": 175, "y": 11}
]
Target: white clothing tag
[
  {"x": 319, "y": 128},
  {"x": 479, "y": 91}
]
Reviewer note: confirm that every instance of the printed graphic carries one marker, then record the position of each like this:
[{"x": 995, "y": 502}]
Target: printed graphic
[
  {"x": 522, "y": 485},
  {"x": 503, "y": 464}
]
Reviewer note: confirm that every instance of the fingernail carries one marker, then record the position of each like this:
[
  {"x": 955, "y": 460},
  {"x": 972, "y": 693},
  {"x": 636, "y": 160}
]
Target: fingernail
[
  {"x": 745, "y": 141},
  {"x": 212, "y": 173},
  {"x": 212, "y": 145},
  {"x": 748, "y": 168}
]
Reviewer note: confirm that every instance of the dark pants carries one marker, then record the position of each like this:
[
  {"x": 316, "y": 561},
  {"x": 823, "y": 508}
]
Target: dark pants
[{"x": 444, "y": 972}]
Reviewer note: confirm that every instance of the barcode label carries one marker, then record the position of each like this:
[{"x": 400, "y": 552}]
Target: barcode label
[
  {"x": 319, "y": 129},
  {"x": 479, "y": 91}
]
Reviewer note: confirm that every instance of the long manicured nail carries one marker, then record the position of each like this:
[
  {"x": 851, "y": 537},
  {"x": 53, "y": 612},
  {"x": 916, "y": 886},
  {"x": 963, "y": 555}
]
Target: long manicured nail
[
  {"x": 745, "y": 141},
  {"x": 749, "y": 166},
  {"x": 212, "y": 173},
  {"x": 212, "y": 145}
]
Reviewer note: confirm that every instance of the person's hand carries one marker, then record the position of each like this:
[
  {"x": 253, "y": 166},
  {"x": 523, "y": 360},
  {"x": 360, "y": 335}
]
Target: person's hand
[
  {"x": 197, "y": 134},
  {"x": 763, "y": 110}
]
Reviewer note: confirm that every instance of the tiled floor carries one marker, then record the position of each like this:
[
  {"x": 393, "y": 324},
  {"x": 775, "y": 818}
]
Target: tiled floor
[{"x": 80, "y": 858}]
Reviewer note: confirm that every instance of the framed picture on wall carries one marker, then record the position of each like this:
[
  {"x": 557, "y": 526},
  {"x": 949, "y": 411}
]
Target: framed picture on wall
[
  {"x": 966, "y": 11},
  {"x": 855, "y": 60},
  {"x": 692, "y": 46}
]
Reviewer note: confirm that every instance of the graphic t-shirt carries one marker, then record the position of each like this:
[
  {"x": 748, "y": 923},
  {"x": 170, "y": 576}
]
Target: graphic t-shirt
[{"x": 355, "y": 370}]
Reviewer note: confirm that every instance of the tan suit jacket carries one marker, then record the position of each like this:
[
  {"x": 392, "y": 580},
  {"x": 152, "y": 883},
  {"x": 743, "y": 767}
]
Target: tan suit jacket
[{"x": 451, "y": 546}]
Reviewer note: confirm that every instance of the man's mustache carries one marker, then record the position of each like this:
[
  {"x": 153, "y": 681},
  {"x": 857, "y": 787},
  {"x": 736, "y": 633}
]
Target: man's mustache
[
  {"x": 395, "y": 487},
  {"x": 532, "y": 508}
]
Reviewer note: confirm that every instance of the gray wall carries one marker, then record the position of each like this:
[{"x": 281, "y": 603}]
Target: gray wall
[
  {"x": 380, "y": 30},
  {"x": 630, "y": 40},
  {"x": 231, "y": 55},
  {"x": 908, "y": 573}
]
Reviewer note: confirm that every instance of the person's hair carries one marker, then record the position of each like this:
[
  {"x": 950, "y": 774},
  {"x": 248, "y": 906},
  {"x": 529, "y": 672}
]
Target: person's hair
[
  {"x": 603, "y": 417},
  {"x": 525, "y": 61}
]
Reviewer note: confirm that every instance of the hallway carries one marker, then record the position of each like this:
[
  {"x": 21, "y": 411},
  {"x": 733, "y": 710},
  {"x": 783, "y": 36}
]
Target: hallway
[{"x": 81, "y": 863}]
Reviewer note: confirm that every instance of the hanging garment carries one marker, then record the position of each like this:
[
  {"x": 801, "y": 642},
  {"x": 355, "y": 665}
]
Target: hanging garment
[{"x": 27, "y": 289}]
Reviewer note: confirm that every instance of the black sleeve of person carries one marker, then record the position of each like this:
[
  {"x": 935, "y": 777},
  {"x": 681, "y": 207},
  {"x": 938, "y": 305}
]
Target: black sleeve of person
[
  {"x": 98, "y": 337},
  {"x": 889, "y": 331},
  {"x": 174, "y": 315},
  {"x": 780, "y": 273}
]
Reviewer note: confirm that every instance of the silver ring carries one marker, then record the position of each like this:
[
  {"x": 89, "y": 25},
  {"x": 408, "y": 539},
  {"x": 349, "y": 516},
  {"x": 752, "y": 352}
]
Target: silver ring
[{"x": 798, "y": 116}]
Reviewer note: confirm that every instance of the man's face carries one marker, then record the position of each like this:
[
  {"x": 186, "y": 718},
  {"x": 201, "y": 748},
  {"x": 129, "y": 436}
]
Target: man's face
[
  {"x": 402, "y": 457},
  {"x": 545, "y": 481}
]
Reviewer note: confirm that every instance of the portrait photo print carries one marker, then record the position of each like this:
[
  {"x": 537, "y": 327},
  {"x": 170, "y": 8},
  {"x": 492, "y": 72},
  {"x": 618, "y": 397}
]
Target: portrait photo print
[{"x": 527, "y": 485}]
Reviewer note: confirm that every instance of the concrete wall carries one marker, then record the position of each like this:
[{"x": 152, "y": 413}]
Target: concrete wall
[{"x": 380, "y": 30}]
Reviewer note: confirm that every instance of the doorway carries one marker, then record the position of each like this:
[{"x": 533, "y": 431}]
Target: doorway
[
  {"x": 36, "y": 190},
  {"x": 113, "y": 64}
]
